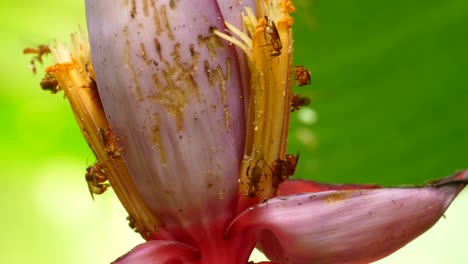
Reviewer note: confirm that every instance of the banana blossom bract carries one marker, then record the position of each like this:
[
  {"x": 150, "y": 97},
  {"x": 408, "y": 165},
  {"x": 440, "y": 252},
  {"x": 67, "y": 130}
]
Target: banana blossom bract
[{"x": 186, "y": 106}]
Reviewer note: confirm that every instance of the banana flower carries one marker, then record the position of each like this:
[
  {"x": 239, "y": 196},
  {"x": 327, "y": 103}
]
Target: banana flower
[{"x": 186, "y": 106}]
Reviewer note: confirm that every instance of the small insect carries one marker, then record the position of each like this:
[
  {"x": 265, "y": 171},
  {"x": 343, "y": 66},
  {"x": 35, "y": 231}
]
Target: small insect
[
  {"x": 110, "y": 145},
  {"x": 283, "y": 169},
  {"x": 301, "y": 76},
  {"x": 272, "y": 38},
  {"x": 255, "y": 177},
  {"x": 132, "y": 223},
  {"x": 297, "y": 101},
  {"x": 40, "y": 51},
  {"x": 49, "y": 83},
  {"x": 96, "y": 178}
]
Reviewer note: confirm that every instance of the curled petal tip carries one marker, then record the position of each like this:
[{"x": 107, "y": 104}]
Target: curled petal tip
[{"x": 459, "y": 178}]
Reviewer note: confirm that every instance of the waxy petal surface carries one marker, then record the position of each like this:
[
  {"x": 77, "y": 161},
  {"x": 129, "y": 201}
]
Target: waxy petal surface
[
  {"x": 172, "y": 92},
  {"x": 353, "y": 226}
]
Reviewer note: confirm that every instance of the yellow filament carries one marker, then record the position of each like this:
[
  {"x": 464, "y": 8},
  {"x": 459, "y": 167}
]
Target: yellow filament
[
  {"x": 75, "y": 76},
  {"x": 234, "y": 41},
  {"x": 270, "y": 94}
]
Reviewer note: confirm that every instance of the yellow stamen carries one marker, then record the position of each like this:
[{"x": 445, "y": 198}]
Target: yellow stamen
[
  {"x": 75, "y": 75},
  {"x": 268, "y": 38}
]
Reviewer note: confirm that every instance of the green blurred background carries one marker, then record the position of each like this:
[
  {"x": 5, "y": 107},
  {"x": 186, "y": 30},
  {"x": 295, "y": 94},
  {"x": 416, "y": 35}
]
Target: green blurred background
[{"x": 389, "y": 106}]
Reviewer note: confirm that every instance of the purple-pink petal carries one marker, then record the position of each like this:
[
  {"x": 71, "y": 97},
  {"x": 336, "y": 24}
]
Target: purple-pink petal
[
  {"x": 351, "y": 226},
  {"x": 215, "y": 249},
  {"x": 172, "y": 92},
  {"x": 160, "y": 252}
]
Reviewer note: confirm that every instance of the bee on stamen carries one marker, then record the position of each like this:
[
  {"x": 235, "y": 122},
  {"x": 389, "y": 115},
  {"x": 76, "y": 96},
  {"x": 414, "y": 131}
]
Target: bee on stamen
[
  {"x": 50, "y": 83},
  {"x": 96, "y": 178},
  {"x": 272, "y": 37},
  {"x": 255, "y": 177},
  {"x": 297, "y": 101},
  {"x": 40, "y": 51},
  {"x": 132, "y": 223},
  {"x": 283, "y": 169},
  {"x": 110, "y": 145},
  {"x": 301, "y": 76}
]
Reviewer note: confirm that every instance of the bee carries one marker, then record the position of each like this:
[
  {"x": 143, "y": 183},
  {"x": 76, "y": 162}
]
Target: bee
[
  {"x": 49, "y": 83},
  {"x": 255, "y": 177},
  {"x": 283, "y": 169},
  {"x": 40, "y": 51},
  {"x": 297, "y": 101},
  {"x": 96, "y": 178},
  {"x": 132, "y": 223},
  {"x": 272, "y": 37},
  {"x": 110, "y": 145},
  {"x": 301, "y": 76}
]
